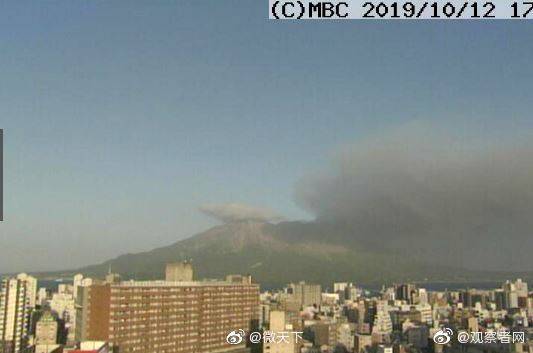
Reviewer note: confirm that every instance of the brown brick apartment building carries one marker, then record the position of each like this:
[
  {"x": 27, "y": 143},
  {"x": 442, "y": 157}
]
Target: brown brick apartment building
[{"x": 168, "y": 317}]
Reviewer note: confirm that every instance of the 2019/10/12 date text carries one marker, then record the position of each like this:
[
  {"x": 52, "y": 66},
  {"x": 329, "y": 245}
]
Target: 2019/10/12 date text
[{"x": 442, "y": 10}]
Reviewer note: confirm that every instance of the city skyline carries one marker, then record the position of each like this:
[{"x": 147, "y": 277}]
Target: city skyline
[{"x": 185, "y": 313}]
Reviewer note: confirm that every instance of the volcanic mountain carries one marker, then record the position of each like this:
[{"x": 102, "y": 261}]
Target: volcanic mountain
[{"x": 275, "y": 254}]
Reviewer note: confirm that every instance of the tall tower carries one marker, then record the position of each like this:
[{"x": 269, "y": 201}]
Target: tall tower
[{"x": 17, "y": 300}]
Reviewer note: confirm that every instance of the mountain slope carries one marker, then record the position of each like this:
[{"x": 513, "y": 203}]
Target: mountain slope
[{"x": 277, "y": 254}]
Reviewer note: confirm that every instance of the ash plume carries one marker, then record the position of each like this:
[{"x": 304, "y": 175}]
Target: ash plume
[
  {"x": 442, "y": 198},
  {"x": 237, "y": 212}
]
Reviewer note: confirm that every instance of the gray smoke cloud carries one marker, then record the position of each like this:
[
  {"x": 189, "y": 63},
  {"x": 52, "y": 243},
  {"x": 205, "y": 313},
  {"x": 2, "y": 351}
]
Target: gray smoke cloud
[
  {"x": 237, "y": 212},
  {"x": 442, "y": 198}
]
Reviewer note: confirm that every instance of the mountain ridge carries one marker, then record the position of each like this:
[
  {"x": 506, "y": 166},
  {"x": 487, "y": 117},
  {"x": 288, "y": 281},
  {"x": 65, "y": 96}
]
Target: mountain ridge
[{"x": 275, "y": 254}]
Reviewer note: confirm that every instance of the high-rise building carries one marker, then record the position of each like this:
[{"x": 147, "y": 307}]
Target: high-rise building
[
  {"x": 518, "y": 286},
  {"x": 406, "y": 292},
  {"x": 351, "y": 292},
  {"x": 422, "y": 297},
  {"x": 77, "y": 280},
  {"x": 382, "y": 327},
  {"x": 46, "y": 330},
  {"x": 340, "y": 286},
  {"x": 179, "y": 272},
  {"x": 31, "y": 288},
  {"x": 42, "y": 297},
  {"x": 81, "y": 301},
  {"x": 17, "y": 301},
  {"x": 516, "y": 294},
  {"x": 360, "y": 310},
  {"x": 168, "y": 316},
  {"x": 62, "y": 304},
  {"x": 112, "y": 277},
  {"x": 277, "y": 324},
  {"x": 305, "y": 294},
  {"x": 264, "y": 314},
  {"x": 500, "y": 299}
]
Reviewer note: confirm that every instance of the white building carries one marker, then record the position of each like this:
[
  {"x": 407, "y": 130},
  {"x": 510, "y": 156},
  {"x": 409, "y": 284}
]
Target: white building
[
  {"x": 63, "y": 304},
  {"x": 426, "y": 313},
  {"x": 339, "y": 286},
  {"x": 17, "y": 301},
  {"x": 42, "y": 297},
  {"x": 305, "y": 294},
  {"x": 278, "y": 324},
  {"x": 514, "y": 292},
  {"x": 382, "y": 328},
  {"x": 382, "y": 320}
]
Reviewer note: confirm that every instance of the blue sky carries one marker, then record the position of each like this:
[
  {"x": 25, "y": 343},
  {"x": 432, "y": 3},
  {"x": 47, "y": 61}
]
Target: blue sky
[{"x": 122, "y": 118}]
